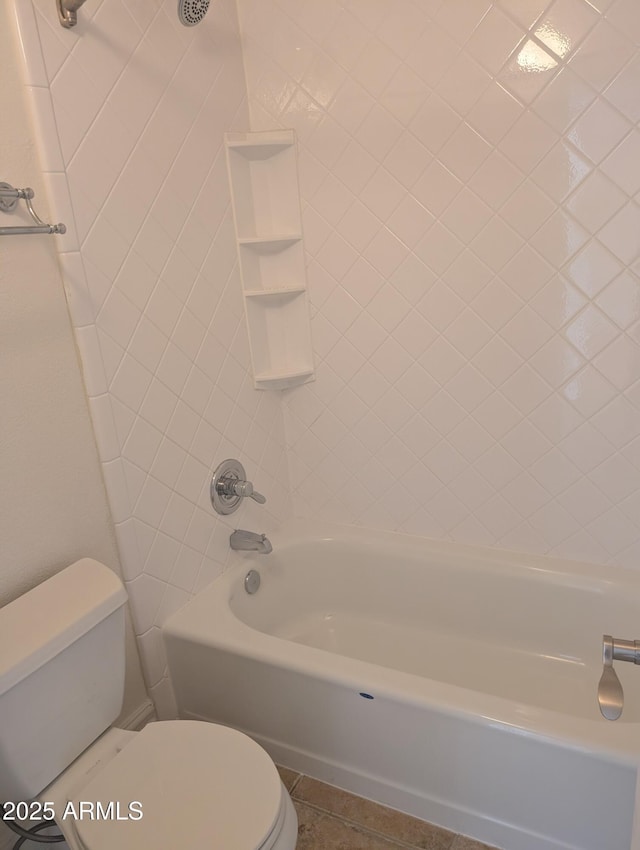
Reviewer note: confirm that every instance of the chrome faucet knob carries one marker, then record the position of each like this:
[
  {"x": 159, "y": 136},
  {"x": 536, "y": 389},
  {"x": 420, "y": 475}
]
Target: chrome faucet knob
[
  {"x": 245, "y": 488},
  {"x": 242, "y": 488},
  {"x": 229, "y": 486}
]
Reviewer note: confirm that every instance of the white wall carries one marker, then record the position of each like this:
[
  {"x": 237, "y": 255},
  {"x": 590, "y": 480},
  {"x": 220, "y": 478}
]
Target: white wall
[
  {"x": 132, "y": 108},
  {"x": 470, "y": 176},
  {"x": 53, "y": 507}
]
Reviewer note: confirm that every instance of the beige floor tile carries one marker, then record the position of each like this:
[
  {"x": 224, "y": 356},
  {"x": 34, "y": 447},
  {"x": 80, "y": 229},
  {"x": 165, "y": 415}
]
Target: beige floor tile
[
  {"x": 320, "y": 831},
  {"x": 289, "y": 777},
  {"x": 380, "y": 819}
]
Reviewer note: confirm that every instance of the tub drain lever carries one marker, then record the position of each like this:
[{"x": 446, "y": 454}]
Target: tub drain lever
[{"x": 610, "y": 693}]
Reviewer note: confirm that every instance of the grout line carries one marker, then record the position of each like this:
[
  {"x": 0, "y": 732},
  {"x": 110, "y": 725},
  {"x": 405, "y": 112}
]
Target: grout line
[
  {"x": 358, "y": 824},
  {"x": 365, "y": 829},
  {"x": 295, "y": 783}
]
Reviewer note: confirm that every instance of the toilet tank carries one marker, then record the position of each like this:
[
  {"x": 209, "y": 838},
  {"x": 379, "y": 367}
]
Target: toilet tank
[{"x": 62, "y": 657}]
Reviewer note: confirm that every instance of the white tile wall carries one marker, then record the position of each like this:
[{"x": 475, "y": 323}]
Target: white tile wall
[
  {"x": 470, "y": 176},
  {"x": 130, "y": 109},
  {"x": 470, "y": 185}
]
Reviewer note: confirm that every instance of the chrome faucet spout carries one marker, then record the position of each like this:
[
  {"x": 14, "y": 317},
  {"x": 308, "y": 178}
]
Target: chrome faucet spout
[{"x": 248, "y": 541}]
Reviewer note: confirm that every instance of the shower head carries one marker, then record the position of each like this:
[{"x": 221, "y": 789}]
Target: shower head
[
  {"x": 191, "y": 12},
  {"x": 68, "y": 12}
]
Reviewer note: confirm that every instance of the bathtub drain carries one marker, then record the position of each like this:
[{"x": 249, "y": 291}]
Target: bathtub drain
[{"x": 252, "y": 581}]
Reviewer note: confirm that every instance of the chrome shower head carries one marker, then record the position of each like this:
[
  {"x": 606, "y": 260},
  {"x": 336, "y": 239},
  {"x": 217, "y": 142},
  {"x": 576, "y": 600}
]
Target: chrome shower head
[
  {"x": 68, "y": 12},
  {"x": 191, "y": 12}
]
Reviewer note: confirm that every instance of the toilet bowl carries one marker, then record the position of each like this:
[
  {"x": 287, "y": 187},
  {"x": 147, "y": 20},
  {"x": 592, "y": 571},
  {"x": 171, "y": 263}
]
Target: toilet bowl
[{"x": 176, "y": 784}]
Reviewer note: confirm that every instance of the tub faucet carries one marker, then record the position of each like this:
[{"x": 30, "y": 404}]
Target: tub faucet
[{"x": 249, "y": 541}]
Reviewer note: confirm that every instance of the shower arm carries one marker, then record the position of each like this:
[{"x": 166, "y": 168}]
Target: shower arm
[{"x": 68, "y": 12}]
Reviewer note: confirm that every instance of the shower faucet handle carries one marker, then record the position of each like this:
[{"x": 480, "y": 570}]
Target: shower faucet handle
[
  {"x": 242, "y": 489},
  {"x": 229, "y": 486}
]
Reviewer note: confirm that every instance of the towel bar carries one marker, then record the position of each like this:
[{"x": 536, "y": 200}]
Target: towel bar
[{"x": 9, "y": 198}]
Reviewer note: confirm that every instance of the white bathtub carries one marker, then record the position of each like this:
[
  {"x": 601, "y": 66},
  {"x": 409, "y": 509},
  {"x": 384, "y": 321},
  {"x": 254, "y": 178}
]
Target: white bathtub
[{"x": 455, "y": 683}]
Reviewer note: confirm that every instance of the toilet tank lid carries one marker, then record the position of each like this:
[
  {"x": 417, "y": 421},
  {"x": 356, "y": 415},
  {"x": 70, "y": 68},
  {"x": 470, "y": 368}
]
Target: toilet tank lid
[{"x": 47, "y": 619}]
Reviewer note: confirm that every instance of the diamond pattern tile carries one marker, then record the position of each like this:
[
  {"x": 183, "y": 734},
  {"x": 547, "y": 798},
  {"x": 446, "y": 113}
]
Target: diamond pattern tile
[
  {"x": 506, "y": 155},
  {"x": 469, "y": 176},
  {"x": 161, "y": 326}
]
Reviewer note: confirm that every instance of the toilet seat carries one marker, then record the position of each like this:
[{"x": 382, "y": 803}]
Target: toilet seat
[{"x": 200, "y": 785}]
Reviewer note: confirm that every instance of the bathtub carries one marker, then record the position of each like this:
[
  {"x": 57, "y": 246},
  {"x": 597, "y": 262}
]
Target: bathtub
[{"x": 454, "y": 683}]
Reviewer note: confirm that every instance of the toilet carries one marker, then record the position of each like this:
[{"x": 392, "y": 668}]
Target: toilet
[{"x": 179, "y": 783}]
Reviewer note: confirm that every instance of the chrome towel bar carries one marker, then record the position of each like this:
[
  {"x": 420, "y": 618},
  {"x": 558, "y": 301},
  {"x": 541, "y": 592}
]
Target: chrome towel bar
[{"x": 9, "y": 198}]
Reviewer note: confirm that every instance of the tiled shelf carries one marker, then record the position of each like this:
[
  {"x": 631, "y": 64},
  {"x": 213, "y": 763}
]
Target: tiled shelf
[
  {"x": 267, "y": 145},
  {"x": 270, "y": 244},
  {"x": 270, "y": 293},
  {"x": 266, "y": 207},
  {"x": 275, "y": 380}
]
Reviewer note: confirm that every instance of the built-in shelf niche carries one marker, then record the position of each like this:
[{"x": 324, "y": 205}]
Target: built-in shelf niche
[{"x": 263, "y": 177}]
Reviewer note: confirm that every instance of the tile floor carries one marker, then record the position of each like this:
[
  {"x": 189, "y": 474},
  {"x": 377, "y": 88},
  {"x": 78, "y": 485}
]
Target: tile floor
[{"x": 332, "y": 819}]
